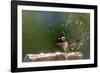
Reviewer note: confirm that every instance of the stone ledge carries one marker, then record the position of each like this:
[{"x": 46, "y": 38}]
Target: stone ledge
[{"x": 53, "y": 56}]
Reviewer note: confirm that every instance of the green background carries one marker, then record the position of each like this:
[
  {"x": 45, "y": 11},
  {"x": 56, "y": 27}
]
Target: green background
[{"x": 40, "y": 30}]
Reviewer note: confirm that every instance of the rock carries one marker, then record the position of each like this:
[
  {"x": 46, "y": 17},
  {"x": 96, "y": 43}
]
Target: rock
[{"x": 53, "y": 56}]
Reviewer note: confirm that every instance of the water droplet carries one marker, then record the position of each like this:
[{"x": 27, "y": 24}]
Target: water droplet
[
  {"x": 81, "y": 22},
  {"x": 58, "y": 53},
  {"x": 41, "y": 53}
]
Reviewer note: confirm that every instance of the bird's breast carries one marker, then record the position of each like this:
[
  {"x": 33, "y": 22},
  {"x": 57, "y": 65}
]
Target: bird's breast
[{"x": 63, "y": 44}]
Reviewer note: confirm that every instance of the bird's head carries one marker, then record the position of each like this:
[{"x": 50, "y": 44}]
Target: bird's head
[{"x": 61, "y": 39}]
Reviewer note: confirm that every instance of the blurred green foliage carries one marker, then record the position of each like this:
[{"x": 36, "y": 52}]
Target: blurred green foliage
[{"x": 40, "y": 30}]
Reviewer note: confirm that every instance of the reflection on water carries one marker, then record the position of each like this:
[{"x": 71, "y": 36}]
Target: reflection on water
[{"x": 40, "y": 31}]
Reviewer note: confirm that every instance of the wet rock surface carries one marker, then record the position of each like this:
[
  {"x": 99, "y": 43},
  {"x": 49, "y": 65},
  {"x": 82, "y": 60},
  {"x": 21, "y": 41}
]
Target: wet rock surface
[{"x": 53, "y": 56}]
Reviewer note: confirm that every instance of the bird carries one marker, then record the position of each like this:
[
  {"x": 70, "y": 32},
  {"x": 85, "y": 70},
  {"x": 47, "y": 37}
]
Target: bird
[
  {"x": 67, "y": 45},
  {"x": 63, "y": 43},
  {"x": 75, "y": 44}
]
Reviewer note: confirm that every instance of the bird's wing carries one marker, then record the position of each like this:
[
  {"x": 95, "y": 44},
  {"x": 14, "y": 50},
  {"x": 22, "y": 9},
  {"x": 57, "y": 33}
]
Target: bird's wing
[{"x": 73, "y": 44}]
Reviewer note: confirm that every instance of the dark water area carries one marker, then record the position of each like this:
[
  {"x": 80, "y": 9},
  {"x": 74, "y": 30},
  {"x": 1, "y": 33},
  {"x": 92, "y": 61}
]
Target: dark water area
[{"x": 40, "y": 30}]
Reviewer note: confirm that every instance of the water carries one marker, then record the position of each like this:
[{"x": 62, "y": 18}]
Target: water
[{"x": 40, "y": 31}]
